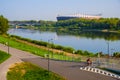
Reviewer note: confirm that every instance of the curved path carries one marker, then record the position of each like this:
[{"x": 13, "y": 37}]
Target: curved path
[{"x": 69, "y": 70}]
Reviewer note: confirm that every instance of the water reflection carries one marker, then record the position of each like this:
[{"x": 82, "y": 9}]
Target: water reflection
[
  {"x": 90, "y": 41},
  {"x": 93, "y": 35}
]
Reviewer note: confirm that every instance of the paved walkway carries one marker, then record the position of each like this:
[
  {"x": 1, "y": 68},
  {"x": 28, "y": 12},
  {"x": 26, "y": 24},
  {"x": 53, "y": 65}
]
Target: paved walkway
[{"x": 69, "y": 70}]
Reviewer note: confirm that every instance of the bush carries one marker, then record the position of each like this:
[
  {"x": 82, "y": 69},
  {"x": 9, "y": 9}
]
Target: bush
[
  {"x": 116, "y": 54},
  {"x": 58, "y": 47},
  {"x": 85, "y": 53},
  {"x": 68, "y": 49}
]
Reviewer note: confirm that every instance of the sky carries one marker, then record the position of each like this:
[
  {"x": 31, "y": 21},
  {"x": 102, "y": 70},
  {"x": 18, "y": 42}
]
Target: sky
[{"x": 49, "y": 9}]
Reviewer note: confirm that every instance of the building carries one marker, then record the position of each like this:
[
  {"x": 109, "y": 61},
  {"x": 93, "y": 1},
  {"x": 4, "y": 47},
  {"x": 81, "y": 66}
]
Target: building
[{"x": 66, "y": 17}]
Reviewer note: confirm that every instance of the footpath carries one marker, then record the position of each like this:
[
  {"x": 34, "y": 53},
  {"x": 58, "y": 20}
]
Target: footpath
[{"x": 69, "y": 70}]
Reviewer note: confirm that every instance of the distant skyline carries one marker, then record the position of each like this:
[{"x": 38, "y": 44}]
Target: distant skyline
[{"x": 49, "y": 9}]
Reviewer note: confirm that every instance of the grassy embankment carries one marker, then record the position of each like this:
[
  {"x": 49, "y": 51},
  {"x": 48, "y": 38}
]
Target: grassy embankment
[
  {"x": 36, "y": 49},
  {"x": 3, "y": 56},
  {"x": 27, "y": 71}
]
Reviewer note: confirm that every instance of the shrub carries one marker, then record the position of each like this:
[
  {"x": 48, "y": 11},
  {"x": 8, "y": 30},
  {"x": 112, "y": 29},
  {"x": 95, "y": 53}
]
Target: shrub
[
  {"x": 116, "y": 54},
  {"x": 68, "y": 49}
]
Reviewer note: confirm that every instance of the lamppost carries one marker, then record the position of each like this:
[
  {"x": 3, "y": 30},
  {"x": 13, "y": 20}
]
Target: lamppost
[
  {"x": 73, "y": 55},
  {"x": 112, "y": 52},
  {"x": 99, "y": 63},
  {"x": 8, "y": 48},
  {"x": 49, "y": 54},
  {"x": 108, "y": 50},
  {"x": 108, "y": 53},
  {"x": 52, "y": 47},
  {"x": 7, "y": 44},
  {"x": 112, "y": 57}
]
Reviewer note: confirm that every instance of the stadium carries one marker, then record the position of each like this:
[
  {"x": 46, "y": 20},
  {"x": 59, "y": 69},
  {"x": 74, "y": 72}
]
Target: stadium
[{"x": 66, "y": 17}]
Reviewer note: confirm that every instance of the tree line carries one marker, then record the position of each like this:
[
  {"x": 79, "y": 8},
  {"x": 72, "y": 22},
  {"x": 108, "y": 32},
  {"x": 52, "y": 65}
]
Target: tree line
[
  {"x": 78, "y": 23},
  {"x": 98, "y": 24}
]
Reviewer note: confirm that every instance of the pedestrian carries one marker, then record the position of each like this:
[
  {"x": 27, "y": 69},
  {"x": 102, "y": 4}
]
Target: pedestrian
[{"x": 89, "y": 62}]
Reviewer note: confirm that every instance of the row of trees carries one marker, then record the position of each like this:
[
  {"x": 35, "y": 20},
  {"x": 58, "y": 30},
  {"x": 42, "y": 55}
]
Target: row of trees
[
  {"x": 78, "y": 23},
  {"x": 3, "y": 25},
  {"x": 81, "y": 23}
]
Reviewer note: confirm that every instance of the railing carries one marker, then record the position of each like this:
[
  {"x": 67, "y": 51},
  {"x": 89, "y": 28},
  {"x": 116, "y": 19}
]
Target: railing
[
  {"x": 107, "y": 63},
  {"x": 99, "y": 71}
]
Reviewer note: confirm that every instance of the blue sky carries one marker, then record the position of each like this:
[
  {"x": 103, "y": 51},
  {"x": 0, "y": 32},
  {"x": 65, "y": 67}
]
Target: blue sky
[{"x": 49, "y": 9}]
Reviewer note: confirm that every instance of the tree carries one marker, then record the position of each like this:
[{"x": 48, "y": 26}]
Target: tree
[{"x": 3, "y": 25}]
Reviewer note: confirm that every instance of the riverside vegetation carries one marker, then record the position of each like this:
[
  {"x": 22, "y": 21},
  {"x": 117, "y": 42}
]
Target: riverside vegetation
[
  {"x": 102, "y": 24},
  {"x": 14, "y": 42},
  {"x": 76, "y": 26},
  {"x": 66, "y": 25},
  {"x": 80, "y": 24},
  {"x": 67, "y": 49}
]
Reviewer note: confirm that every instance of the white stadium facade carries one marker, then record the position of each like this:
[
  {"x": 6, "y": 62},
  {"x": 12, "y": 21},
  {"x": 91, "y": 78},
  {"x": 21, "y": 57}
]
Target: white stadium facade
[{"x": 66, "y": 17}]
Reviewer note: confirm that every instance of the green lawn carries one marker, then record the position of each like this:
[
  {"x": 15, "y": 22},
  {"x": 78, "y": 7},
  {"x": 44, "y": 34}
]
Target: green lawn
[
  {"x": 3, "y": 56},
  {"x": 28, "y": 71},
  {"x": 34, "y": 50}
]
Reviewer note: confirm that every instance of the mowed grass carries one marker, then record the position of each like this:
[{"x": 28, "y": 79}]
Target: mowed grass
[
  {"x": 28, "y": 71},
  {"x": 3, "y": 56},
  {"x": 22, "y": 46},
  {"x": 33, "y": 49}
]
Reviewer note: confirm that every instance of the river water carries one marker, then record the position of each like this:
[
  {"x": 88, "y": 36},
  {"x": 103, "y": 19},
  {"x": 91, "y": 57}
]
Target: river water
[{"x": 90, "y": 41}]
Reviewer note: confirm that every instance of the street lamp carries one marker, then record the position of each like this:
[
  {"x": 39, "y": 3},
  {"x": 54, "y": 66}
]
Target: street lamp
[
  {"x": 7, "y": 44},
  {"x": 48, "y": 54},
  {"x": 99, "y": 54},
  {"x": 52, "y": 47},
  {"x": 112, "y": 52},
  {"x": 108, "y": 49},
  {"x": 108, "y": 53},
  {"x": 8, "y": 48},
  {"x": 73, "y": 55}
]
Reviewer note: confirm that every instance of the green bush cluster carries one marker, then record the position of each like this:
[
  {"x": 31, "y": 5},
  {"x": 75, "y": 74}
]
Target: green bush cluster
[
  {"x": 85, "y": 53},
  {"x": 116, "y": 54}
]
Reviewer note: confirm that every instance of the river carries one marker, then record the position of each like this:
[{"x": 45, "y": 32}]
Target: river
[{"x": 90, "y": 41}]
